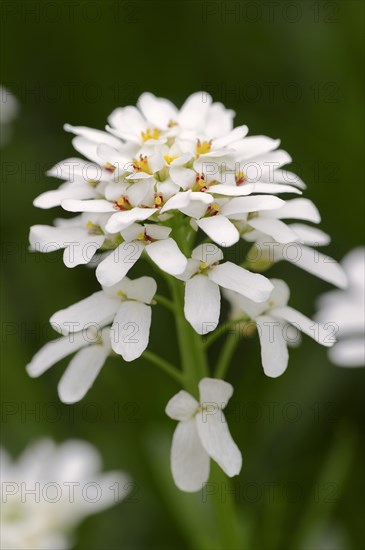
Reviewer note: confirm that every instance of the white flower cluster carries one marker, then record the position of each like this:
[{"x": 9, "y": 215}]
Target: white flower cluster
[
  {"x": 50, "y": 489},
  {"x": 147, "y": 185}
]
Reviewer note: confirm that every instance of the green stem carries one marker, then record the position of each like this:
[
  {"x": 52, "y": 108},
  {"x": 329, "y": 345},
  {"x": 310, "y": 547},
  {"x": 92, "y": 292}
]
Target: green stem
[
  {"x": 164, "y": 365},
  {"x": 226, "y": 355},
  {"x": 168, "y": 304},
  {"x": 209, "y": 340}
]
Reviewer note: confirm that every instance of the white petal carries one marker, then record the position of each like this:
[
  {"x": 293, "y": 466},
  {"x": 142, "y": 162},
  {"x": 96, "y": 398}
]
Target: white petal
[
  {"x": 194, "y": 111},
  {"x": 50, "y": 199},
  {"x": 97, "y": 205},
  {"x": 115, "y": 266},
  {"x": 46, "y": 238},
  {"x": 81, "y": 252},
  {"x": 54, "y": 351},
  {"x": 97, "y": 309},
  {"x": 300, "y": 209},
  {"x": 235, "y": 135},
  {"x": 131, "y": 330},
  {"x": 182, "y": 406},
  {"x": 121, "y": 220},
  {"x": 354, "y": 266},
  {"x": 202, "y": 304},
  {"x": 285, "y": 176},
  {"x": 157, "y": 232},
  {"x": 219, "y": 229},
  {"x": 249, "y": 188},
  {"x": 251, "y": 204},
  {"x": 253, "y": 146},
  {"x": 276, "y": 229},
  {"x": 212, "y": 390},
  {"x": 92, "y": 134},
  {"x": 72, "y": 169},
  {"x": 183, "y": 177},
  {"x": 349, "y": 352},
  {"x": 157, "y": 110},
  {"x": 217, "y": 440},
  {"x": 310, "y": 235},
  {"x": 208, "y": 253},
  {"x": 254, "y": 286},
  {"x": 81, "y": 373},
  {"x": 189, "y": 460},
  {"x": 274, "y": 351},
  {"x": 167, "y": 255},
  {"x": 219, "y": 121},
  {"x": 142, "y": 289},
  {"x": 316, "y": 263},
  {"x": 320, "y": 333},
  {"x": 177, "y": 201}
]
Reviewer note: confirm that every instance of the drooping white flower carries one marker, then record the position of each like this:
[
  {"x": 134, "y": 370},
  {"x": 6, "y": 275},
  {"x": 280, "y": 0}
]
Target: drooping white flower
[
  {"x": 202, "y": 434},
  {"x": 204, "y": 275},
  {"x": 152, "y": 238},
  {"x": 93, "y": 346},
  {"x": 345, "y": 310},
  {"x": 126, "y": 306},
  {"x": 50, "y": 489},
  {"x": 273, "y": 320},
  {"x": 9, "y": 108}
]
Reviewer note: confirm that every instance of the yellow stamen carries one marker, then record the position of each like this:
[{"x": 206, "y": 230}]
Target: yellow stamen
[
  {"x": 121, "y": 294},
  {"x": 203, "y": 265},
  {"x": 121, "y": 201},
  {"x": 109, "y": 167},
  {"x": 172, "y": 123},
  {"x": 148, "y": 134},
  {"x": 158, "y": 201},
  {"x": 141, "y": 165},
  {"x": 141, "y": 236},
  {"x": 203, "y": 147},
  {"x": 240, "y": 177},
  {"x": 169, "y": 159},
  {"x": 215, "y": 206}
]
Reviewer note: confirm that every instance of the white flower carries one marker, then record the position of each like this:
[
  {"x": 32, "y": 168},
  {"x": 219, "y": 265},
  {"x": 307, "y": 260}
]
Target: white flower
[
  {"x": 204, "y": 275},
  {"x": 92, "y": 347},
  {"x": 152, "y": 238},
  {"x": 50, "y": 489},
  {"x": 9, "y": 108},
  {"x": 80, "y": 237},
  {"x": 202, "y": 433},
  {"x": 273, "y": 319},
  {"x": 345, "y": 311},
  {"x": 125, "y": 305}
]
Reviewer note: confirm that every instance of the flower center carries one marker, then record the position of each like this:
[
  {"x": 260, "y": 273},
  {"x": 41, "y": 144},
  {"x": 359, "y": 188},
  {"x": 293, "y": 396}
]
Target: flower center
[
  {"x": 169, "y": 159},
  {"x": 148, "y": 134},
  {"x": 203, "y": 147},
  {"x": 240, "y": 177},
  {"x": 93, "y": 228},
  {"x": 122, "y": 204},
  {"x": 109, "y": 168},
  {"x": 213, "y": 210},
  {"x": 141, "y": 164}
]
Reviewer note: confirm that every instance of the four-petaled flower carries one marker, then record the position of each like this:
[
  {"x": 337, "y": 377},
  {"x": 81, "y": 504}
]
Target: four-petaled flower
[{"x": 202, "y": 434}]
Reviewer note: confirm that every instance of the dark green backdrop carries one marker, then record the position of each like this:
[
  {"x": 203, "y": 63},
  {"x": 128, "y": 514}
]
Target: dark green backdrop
[{"x": 291, "y": 70}]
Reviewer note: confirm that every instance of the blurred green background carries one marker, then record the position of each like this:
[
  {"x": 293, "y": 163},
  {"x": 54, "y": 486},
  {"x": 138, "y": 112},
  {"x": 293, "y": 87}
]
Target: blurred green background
[{"x": 289, "y": 69}]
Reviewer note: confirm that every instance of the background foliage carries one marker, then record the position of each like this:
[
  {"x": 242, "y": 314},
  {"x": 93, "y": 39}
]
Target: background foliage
[{"x": 289, "y": 70}]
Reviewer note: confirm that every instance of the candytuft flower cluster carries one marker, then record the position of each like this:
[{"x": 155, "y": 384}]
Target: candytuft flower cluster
[{"x": 178, "y": 188}]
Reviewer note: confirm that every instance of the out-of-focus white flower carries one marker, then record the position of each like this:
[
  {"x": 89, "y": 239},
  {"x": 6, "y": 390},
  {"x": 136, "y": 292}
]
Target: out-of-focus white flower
[
  {"x": 346, "y": 311},
  {"x": 204, "y": 275},
  {"x": 273, "y": 319},
  {"x": 9, "y": 108},
  {"x": 202, "y": 434},
  {"x": 50, "y": 489}
]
